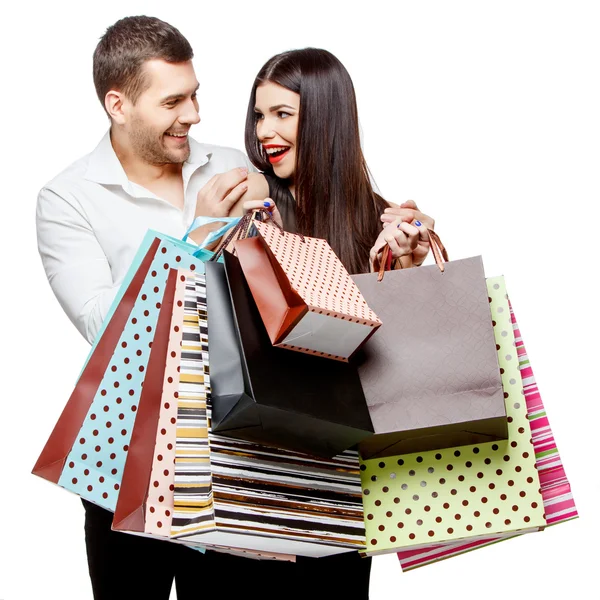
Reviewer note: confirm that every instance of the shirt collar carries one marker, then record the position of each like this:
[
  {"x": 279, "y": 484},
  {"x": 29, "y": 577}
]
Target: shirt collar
[
  {"x": 105, "y": 168},
  {"x": 199, "y": 156}
]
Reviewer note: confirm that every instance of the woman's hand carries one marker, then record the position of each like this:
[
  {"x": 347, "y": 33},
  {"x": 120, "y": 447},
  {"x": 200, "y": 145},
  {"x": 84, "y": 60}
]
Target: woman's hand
[
  {"x": 267, "y": 204},
  {"x": 402, "y": 238},
  {"x": 409, "y": 212}
]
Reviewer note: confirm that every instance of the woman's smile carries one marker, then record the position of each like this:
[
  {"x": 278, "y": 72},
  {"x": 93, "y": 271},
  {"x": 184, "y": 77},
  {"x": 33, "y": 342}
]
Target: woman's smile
[{"x": 275, "y": 152}]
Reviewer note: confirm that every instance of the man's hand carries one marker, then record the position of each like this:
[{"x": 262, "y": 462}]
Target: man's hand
[
  {"x": 409, "y": 212},
  {"x": 220, "y": 194},
  {"x": 217, "y": 198}
]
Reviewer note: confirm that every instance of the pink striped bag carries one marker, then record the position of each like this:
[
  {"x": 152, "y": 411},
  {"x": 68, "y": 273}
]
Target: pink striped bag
[{"x": 558, "y": 500}]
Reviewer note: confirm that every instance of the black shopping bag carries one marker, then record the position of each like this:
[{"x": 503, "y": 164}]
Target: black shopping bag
[{"x": 270, "y": 395}]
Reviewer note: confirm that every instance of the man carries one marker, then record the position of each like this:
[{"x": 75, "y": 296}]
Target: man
[{"x": 146, "y": 173}]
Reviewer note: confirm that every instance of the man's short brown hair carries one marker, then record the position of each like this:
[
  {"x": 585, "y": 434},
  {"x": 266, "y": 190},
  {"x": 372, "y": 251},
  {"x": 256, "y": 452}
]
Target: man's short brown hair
[{"x": 125, "y": 47}]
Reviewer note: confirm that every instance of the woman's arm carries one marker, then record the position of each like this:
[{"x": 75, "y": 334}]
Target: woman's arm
[
  {"x": 258, "y": 190},
  {"x": 257, "y": 196}
]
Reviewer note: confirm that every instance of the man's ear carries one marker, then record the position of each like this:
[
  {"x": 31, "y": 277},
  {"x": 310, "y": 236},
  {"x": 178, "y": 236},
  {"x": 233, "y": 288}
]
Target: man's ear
[{"x": 114, "y": 103}]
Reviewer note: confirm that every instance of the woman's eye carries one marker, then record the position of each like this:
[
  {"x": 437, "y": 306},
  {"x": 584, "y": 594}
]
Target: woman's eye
[
  {"x": 259, "y": 116},
  {"x": 282, "y": 114}
]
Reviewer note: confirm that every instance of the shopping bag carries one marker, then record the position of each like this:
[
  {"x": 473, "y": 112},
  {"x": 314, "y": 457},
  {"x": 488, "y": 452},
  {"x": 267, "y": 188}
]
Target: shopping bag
[
  {"x": 558, "y": 501},
  {"x": 463, "y": 493},
  {"x": 269, "y": 395},
  {"x": 148, "y": 471},
  {"x": 430, "y": 375},
  {"x": 305, "y": 297},
  {"x": 145, "y": 503},
  {"x": 86, "y": 451},
  {"x": 197, "y": 250},
  {"x": 273, "y": 500},
  {"x": 256, "y": 500}
]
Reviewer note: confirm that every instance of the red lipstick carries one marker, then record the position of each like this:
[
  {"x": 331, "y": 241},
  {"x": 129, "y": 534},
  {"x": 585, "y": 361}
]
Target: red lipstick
[{"x": 277, "y": 156}]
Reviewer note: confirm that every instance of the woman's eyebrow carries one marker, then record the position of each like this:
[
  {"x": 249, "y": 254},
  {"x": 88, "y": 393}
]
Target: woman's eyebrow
[{"x": 278, "y": 106}]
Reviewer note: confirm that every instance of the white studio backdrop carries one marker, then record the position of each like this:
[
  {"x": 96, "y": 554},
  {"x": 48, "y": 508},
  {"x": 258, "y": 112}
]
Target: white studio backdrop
[{"x": 485, "y": 113}]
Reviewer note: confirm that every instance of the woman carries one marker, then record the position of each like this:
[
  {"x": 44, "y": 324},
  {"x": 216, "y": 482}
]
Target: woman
[{"x": 302, "y": 132}]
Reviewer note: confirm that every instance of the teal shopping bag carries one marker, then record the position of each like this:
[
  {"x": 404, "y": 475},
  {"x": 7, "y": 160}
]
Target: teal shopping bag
[
  {"x": 86, "y": 451},
  {"x": 199, "y": 251}
]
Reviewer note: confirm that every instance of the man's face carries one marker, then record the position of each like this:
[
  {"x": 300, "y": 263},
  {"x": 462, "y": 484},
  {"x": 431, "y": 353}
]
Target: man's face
[{"x": 157, "y": 125}]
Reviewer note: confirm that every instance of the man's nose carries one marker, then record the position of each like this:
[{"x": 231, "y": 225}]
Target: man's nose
[{"x": 190, "y": 114}]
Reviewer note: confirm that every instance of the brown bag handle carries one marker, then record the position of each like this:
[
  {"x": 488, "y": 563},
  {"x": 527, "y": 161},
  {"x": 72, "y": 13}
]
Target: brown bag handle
[
  {"x": 438, "y": 249},
  {"x": 385, "y": 263},
  {"x": 388, "y": 263},
  {"x": 242, "y": 230}
]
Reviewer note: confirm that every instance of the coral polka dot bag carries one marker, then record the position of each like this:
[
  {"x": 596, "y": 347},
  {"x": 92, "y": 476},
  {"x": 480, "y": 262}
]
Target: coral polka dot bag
[{"x": 306, "y": 298}]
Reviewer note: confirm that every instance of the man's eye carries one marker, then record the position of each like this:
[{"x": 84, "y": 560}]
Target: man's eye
[{"x": 171, "y": 104}]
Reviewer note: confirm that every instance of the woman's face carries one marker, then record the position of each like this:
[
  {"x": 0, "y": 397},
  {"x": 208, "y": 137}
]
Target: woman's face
[{"x": 277, "y": 110}]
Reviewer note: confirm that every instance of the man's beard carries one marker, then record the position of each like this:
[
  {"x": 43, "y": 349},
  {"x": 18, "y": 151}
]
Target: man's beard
[{"x": 147, "y": 144}]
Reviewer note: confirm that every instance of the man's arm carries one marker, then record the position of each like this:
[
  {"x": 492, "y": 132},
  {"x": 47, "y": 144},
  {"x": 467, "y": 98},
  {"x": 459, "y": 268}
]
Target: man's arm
[{"x": 75, "y": 264}]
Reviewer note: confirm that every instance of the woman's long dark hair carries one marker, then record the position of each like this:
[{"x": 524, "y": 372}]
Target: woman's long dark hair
[{"x": 334, "y": 196}]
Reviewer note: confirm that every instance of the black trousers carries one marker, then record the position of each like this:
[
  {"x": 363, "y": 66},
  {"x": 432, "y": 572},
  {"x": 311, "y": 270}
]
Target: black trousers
[{"x": 129, "y": 567}]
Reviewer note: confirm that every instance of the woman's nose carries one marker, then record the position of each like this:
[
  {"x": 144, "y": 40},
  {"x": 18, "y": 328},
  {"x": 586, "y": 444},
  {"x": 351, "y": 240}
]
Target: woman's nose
[{"x": 264, "y": 130}]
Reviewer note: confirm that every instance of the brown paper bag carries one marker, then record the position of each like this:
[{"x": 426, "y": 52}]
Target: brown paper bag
[{"x": 430, "y": 375}]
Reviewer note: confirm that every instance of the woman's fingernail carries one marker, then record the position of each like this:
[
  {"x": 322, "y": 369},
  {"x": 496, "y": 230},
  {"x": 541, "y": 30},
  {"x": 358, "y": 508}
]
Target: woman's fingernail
[
  {"x": 418, "y": 223},
  {"x": 398, "y": 226},
  {"x": 266, "y": 204}
]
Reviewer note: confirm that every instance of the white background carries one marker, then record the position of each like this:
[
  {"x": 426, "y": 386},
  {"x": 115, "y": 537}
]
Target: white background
[{"x": 485, "y": 113}]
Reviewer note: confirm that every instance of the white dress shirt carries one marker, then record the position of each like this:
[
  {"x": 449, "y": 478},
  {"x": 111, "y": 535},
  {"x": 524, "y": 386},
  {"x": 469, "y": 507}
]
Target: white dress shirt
[{"x": 91, "y": 220}]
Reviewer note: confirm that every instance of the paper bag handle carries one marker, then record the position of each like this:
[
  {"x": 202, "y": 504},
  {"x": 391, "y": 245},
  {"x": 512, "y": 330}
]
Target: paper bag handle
[
  {"x": 439, "y": 251},
  {"x": 386, "y": 262},
  {"x": 242, "y": 229},
  {"x": 437, "y": 247},
  {"x": 229, "y": 222}
]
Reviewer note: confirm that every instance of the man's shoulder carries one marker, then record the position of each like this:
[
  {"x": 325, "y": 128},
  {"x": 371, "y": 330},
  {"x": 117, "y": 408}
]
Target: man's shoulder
[{"x": 72, "y": 175}]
